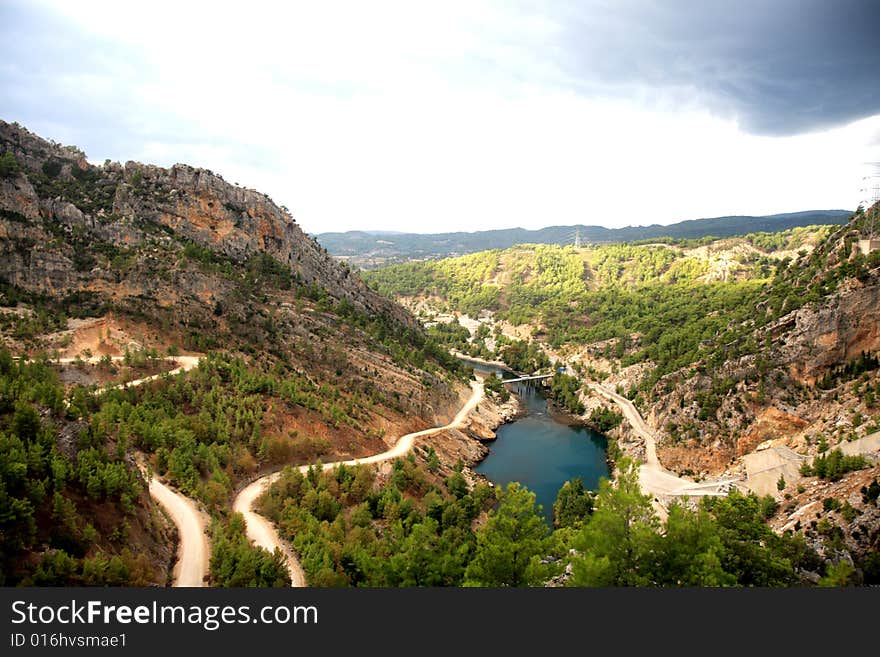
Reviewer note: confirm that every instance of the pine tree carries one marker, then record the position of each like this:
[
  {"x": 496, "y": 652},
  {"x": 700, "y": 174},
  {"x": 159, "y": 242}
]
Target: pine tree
[
  {"x": 615, "y": 543},
  {"x": 511, "y": 542}
]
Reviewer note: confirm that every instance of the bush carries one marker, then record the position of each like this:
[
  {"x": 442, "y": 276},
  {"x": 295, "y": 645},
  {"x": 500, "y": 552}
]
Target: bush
[
  {"x": 51, "y": 168},
  {"x": 833, "y": 465},
  {"x": 493, "y": 384},
  {"x": 604, "y": 419},
  {"x": 564, "y": 391},
  {"x": 830, "y": 504},
  {"x": 9, "y": 166}
]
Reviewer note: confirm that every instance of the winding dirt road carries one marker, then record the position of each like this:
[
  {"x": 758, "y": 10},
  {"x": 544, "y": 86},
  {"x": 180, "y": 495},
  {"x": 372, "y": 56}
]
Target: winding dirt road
[
  {"x": 654, "y": 480},
  {"x": 193, "y": 550},
  {"x": 186, "y": 363},
  {"x": 261, "y": 532}
]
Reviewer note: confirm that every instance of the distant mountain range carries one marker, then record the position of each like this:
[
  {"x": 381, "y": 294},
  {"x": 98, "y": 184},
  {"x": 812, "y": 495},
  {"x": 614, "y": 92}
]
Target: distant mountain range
[{"x": 374, "y": 248}]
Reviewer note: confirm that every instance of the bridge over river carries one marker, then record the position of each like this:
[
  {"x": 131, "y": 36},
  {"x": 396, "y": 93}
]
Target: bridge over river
[{"x": 528, "y": 377}]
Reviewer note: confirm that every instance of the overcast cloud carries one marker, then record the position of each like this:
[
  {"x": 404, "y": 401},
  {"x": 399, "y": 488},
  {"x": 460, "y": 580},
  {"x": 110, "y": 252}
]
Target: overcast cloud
[
  {"x": 466, "y": 115},
  {"x": 780, "y": 67}
]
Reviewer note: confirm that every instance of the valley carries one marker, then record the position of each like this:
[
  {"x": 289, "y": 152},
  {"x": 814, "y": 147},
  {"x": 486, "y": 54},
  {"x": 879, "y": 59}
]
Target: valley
[
  {"x": 720, "y": 355},
  {"x": 194, "y": 392}
]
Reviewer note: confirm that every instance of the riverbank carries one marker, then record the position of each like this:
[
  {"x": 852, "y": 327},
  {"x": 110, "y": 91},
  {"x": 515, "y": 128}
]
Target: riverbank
[
  {"x": 562, "y": 415},
  {"x": 488, "y": 363},
  {"x": 468, "y": 444},
  {"x": 544, "y": 444},
  {"x": 544, "y": 449}
]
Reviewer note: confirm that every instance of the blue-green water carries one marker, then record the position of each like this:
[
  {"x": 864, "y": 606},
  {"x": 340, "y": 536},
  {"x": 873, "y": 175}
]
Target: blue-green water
[{"x": 541, "y": 452}]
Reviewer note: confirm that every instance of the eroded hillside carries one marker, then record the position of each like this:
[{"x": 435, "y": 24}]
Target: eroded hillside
[
  {"x": 750, "y": 358},
  {"x": 300, "y": 360}
]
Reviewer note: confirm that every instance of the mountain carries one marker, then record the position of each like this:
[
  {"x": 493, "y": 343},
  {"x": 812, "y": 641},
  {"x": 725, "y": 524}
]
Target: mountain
[
  {"x": 796, "y": 383},
  {"x": 555, "y": 289},
  {"x": 115, "y": 266},
  {"x": 73, "y": 211},
  {"x": 751, "y": 358},
  {"x": 369, "y": 249}
]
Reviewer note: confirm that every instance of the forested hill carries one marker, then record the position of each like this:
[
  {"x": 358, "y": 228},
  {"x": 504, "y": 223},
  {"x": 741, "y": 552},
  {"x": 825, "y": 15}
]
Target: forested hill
[
  {"x": 115, "y": 266},
  {"x": 557, "y": 288},
  {"x": 370, "y": 249}
]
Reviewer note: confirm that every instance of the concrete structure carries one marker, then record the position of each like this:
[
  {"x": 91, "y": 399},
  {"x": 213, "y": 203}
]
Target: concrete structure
[
  {"x": 763, "y": 469},
  {"x": 533, "y": 377},
  {"x": 867, "y": 246},
  {"x": 869, "y": 447}
]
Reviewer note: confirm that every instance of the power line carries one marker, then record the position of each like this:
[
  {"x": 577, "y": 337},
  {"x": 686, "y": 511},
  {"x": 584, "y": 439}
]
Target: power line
[{"x": 870, "y": 191}]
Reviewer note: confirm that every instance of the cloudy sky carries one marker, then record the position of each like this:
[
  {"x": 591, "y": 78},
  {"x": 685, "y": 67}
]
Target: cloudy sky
[{"x": 439, "y": 116}]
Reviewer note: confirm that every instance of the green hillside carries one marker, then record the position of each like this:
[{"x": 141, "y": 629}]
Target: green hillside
[
  {"x": 371, "y": 249},
  {"x": 662, "y": 302}
]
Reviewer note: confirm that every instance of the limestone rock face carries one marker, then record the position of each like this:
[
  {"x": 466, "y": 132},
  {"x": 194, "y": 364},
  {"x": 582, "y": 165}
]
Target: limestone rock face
[
  {"x": 65, "y": 213},
  {"x": 140, "y": 206},
  {"x": 833, "y": 332},
  {"x": 36, "y": 269},
  {"x": 18, "y": 195},
  {"x": 793, "y": 390}
]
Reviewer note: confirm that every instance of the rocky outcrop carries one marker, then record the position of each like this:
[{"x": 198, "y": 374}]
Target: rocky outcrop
[
  {"x": 59, "y": 194},
  {"x": 770, "y": 424},
  {"x": 17, "y": 196},
  {"x": 771, "y": 396},
  {"x": 839, "y": 329},
  {"x": 491, "y": 414}
]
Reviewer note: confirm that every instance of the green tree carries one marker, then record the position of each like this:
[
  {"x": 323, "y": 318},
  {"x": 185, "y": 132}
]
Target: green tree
[
  {"x": 615, "y": 545},
  {"x": 573, "y": 504},
  {"x": 691, "y": 551},
  {"x": 510, "y": 544},
  {"x": 753, "y": 553},
  {"x": 840, "y": 574},
  {"x": 418, "y": 563},
  {"x": 235, "y": 562},
  {"x": 8, "y": 165}
]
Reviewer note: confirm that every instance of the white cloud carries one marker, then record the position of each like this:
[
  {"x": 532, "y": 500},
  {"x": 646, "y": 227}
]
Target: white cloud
[{"x": 399, "y": 116}]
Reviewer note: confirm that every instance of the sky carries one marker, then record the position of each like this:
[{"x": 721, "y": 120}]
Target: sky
[{"x": 447, "y": 116}]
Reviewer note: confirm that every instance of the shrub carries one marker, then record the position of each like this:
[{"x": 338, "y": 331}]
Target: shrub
[
  {"x": 9, "y": 166},
  {"x": 51, "y": 168}
]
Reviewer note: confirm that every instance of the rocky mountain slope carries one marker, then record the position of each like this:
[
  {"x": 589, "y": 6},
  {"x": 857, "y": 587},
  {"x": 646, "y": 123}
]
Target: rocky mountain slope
[
  {"x": 302, "y": 360},
  {"x": 793, "y": 373},
  {"x": 748, "y": 356},
  {"x": 58, "y": 202}
]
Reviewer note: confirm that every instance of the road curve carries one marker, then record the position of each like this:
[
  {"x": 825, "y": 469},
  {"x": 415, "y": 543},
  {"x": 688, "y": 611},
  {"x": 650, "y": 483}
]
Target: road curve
[
  {"x": 193, "y": 551},
  {"x": 653, "y": 478},
  {"x": 261, "y": 532}
]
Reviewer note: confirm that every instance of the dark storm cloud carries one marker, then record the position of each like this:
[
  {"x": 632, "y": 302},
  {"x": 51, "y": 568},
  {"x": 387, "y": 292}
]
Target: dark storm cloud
[{"x": 780, "y": 67}]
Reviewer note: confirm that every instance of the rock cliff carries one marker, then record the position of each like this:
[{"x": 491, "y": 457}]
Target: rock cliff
[
  {"x": 807, "y": 375},
  {"x": 835, "y": 331},
  {"x": 59, "y": 214}
]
